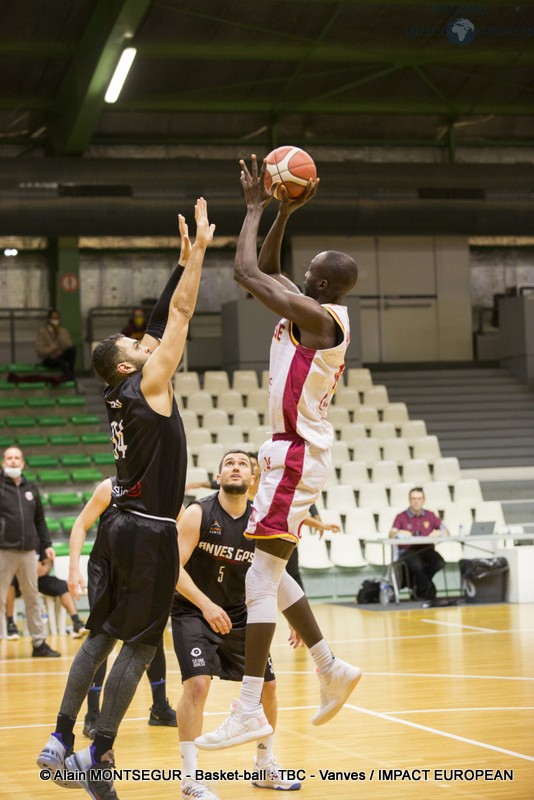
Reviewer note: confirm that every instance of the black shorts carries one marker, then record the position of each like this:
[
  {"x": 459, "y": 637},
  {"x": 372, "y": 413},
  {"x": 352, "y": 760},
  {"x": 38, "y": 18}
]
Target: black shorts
[
  {"x": 47, "y": 584},
  {"x": 133, "y": 577},
  {"x": 201, "y": 651},
  {"x": 52, "y": 586}
]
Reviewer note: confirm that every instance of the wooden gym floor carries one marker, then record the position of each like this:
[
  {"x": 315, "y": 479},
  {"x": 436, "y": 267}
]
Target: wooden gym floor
[{"x": 447, "y": 700}]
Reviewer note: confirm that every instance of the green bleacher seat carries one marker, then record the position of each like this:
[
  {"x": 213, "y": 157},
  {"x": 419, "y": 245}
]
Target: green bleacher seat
[
  {"x": 21, "y": 422},
  {"x": 6, "y": 386},
  {"x": 65, "y": 499},
  {"x": 95, "y": 438},
  {"x": 86, "y": 475},
  {"x": 103, "y": 459},
  {"x": 42, "y": 461},
  {"x": 40, "y": 402},
  {"x": 20, "y": 368},
  {"x": 64, "y": 388},
  {"x": 75, "y": 460},
  {"x": 10, "y": 404},
  {"x": 62, "y": 548},
  {"x": 5, "y": 441},
  {"x": 30, "y": 475},
  {"x": 53, "y": 476},
  {"x": 34, "y": 386},
  {"x": 71, "y": 400},
  {"x": 53, "y": 525},
  {"x": 31, "y": 443},
  {"x": 52, "y": 421},
  {"x": 68, "y": 442},
  {"x": 67, "y": 523},
  {"x": 85, "y": 419}
]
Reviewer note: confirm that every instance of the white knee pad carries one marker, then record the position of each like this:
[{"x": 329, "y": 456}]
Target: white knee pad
[
  {"x": 261, "y": 584},
  {"x": 288, "y": 591}
]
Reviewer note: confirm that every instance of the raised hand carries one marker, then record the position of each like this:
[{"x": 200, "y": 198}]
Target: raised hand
[
  {"x": 253, "y": 184},
  {"x": 185, "y": 241},
  {"x": 205, "y": 231}
]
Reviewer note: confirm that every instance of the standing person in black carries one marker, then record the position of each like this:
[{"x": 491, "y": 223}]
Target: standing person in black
[
  {"x": 209, "y": 616},
  {"x": 23, "y": 530},
  {"x": 138, "y": 548}
]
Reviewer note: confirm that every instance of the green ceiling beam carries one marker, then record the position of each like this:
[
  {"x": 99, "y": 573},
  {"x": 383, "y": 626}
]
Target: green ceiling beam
[
  {"x": 295, "y": 50},
  {"x": 415, "y": 55},
  {"x": 79, "y": 103},
  {"x": 398, "y": 106}
]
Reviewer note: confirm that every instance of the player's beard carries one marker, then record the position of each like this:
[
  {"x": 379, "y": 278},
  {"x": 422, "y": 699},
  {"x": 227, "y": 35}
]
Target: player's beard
[{"x": 234, "y": 488}]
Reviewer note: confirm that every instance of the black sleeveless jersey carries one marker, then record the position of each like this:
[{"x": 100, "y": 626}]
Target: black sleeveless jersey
[
  {"x": 220, "y": 561},
  {"x": 150, "y": 452}
]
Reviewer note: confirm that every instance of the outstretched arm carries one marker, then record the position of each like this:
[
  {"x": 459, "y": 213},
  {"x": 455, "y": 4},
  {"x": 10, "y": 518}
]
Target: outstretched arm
[
  {"x": 162, "y": 364},
  {"x": 269, "y": 260},
  {"x": 306, "y": 312},
  {"x": 160, "y": 313}
]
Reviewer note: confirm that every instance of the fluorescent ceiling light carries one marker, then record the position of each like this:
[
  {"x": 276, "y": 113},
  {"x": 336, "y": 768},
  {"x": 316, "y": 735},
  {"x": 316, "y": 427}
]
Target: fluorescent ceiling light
[{"x": 117, "y": 81}]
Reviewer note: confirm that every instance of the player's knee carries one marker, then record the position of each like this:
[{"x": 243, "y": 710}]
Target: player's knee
[
  {"x": 261, "y": 591},
  {"x": 289, "y": 592},
  {"x": 196, "y": 689}
]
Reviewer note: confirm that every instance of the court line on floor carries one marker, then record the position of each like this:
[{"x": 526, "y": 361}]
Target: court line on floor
[
  {"x": 459, "y": 625},
  {"x": 437, "y": 732}
]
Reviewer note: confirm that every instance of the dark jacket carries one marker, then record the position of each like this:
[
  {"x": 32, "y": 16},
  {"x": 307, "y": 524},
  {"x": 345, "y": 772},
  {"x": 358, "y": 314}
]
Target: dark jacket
[{"x": 22, "y": 520}]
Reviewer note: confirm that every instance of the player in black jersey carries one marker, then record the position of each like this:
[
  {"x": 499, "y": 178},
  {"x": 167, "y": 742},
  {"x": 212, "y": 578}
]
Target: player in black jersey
[
  {"x": 161, "y": 712},
  {"x": 209, "y": 617},
  {"x": 138, "y": 549}
]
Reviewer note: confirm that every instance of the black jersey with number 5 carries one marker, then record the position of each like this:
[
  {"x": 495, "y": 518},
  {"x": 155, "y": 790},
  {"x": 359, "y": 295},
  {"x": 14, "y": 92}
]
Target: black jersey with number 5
[
  {"x": 220, "y": 561},
  {"x": 150, "y": 452}
]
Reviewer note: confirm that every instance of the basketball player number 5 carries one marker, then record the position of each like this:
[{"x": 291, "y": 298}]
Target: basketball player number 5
[{"x": 220, "y": 576}]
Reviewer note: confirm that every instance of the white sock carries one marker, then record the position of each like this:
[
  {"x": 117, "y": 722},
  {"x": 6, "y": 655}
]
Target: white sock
[
  {"x": 322, "y": 655},
  {"x": 264, "y": 750},
  {"x": 189, "y": 753},
  {"x": 251, "y": 689}
]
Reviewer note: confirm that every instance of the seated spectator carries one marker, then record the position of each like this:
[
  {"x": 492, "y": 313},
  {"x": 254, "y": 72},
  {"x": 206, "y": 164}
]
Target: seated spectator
[
  {"x": 423, "y": 561},
  {"x": 54, "y": 345},
  {"x": 136, "y": 327},
  {"x": 51, "y": 586}
]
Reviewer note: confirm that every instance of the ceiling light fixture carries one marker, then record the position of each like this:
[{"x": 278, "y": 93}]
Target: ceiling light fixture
[{"x": 120, "y": 74}]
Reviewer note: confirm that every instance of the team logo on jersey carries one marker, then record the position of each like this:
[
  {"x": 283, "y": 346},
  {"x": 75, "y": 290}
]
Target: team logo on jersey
[
  {"x": 114, "y": 403},
  {"x": 215, "y": 529},
  {"x": 135, "y": 491},
  {"x": 29, "y": 496}
]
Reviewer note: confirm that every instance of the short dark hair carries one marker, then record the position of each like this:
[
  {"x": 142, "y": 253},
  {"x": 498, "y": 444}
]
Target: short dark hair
[
  {"x": 416, "y": 489},
  {"x": 106, "y": 357},
  {"x": 231, "y": 452}
]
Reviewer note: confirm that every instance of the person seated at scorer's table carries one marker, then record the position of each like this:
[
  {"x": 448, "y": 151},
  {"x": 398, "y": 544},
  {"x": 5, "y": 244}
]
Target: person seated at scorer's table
[{"x": 423, "y": 561}]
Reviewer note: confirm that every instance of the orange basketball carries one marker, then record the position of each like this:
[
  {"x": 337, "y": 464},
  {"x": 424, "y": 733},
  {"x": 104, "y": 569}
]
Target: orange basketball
[{"x": 291, "y": 167}]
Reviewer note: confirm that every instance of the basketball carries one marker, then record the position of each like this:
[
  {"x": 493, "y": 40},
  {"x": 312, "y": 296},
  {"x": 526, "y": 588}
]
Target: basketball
[{"x": 291, "y": 167}]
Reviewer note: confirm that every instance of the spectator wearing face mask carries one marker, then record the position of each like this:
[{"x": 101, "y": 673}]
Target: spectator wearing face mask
[
  {"x": 136, "y": 327},
  {"x": 54, "y": 345},
  {"x": 23, "y": 530}
]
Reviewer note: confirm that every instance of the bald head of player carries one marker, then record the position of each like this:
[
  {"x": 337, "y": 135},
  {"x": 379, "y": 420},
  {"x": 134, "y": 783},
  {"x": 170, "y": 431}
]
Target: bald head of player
[{"x": 330, "y": 276}]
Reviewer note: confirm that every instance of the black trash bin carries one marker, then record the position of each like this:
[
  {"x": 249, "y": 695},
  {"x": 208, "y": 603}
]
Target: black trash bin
[{"x": 483, "y": 580}]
